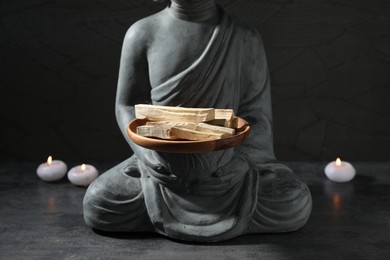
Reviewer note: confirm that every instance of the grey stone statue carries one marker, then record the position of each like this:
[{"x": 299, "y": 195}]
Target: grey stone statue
[{"x": 194, "y": 54}]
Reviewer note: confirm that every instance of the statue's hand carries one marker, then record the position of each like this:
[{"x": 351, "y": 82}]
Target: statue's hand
[
  {"x": 223, "y": 179},
  {"x": 131, "y": 169},
  {"x": 236, "y": 165}
]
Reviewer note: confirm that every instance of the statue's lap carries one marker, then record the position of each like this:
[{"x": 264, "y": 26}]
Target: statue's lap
[{"x": 115, "y": 201}]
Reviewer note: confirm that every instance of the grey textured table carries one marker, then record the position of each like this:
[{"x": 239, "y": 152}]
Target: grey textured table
[{"x": 41, "y": 220}]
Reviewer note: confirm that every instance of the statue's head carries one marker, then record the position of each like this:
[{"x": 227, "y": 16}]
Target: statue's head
[
  {"x": 189, "y": 1},
  {"x": 184, "y": 2}
]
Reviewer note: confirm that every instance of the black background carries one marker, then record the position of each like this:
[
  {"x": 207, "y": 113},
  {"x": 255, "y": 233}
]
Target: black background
[{"x": 329, "y": 63}]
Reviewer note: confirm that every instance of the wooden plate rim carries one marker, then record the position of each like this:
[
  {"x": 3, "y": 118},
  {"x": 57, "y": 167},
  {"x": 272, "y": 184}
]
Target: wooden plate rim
[{"x": 187, "y": 146}]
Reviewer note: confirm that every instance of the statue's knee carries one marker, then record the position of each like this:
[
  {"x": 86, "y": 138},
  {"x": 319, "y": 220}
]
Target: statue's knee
[
  {"x": 110, "y": 197},
  {"x": 91, "y": 205}
]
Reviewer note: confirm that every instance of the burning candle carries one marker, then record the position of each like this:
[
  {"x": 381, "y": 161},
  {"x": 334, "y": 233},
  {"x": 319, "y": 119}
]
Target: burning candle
[
  {"x": 82, "y": 175},
  {"x": 340, "y": 171},
  {"x": 52, "y": 170}
]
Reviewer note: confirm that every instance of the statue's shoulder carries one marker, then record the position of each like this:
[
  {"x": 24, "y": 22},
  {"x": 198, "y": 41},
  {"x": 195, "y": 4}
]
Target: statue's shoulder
[
  {"x": 244, "y": 31},
  {"x": 144, "y": 29},
  {"x": 243, "y": 26}
]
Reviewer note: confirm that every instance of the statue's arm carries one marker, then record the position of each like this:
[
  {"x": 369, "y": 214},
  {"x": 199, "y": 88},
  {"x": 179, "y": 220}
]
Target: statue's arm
[
  {"x": 133, "y": 80},
  {"x": 255, "y": 104}
]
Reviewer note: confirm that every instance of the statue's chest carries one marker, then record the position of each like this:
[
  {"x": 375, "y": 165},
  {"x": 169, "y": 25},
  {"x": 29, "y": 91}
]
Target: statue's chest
[{"x": 174, "y": 50}]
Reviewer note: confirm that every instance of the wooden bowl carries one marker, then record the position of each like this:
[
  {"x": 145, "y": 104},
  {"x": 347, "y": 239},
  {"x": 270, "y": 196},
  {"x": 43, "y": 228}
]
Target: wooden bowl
[{"x": 185, "y": 146}]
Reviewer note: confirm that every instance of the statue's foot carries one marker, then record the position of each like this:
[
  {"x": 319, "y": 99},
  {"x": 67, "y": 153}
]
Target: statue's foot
[{"x": 283, "y": 202}]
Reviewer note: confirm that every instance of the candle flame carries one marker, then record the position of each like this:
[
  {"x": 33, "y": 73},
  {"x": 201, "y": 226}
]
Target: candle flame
[
  {"x": 338, "y": 162},
  {"x": 49, "y": 160},
  {"x": 83, "y": 167}
]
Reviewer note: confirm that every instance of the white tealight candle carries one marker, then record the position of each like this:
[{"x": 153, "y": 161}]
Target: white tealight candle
[
  {"x": 340, "y": 171},
  {"x": 82, "y": 175},
  {"x": 52, "y": 170}
]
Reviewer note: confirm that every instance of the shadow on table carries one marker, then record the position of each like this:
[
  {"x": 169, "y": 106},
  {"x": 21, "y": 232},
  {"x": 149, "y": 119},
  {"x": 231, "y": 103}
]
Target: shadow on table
[
  {"x": 250, "y": 239},
  {"x": 128, "y": 235}
]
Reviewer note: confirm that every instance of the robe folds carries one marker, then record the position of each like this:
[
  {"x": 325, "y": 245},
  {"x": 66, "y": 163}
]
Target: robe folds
[
  {"x": 188, "y": 199},
  {"x": 217, "y": 195}
]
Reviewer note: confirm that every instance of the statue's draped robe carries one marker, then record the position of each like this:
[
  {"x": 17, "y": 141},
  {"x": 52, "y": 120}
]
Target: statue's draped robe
[{"x": 187, "y": 196}]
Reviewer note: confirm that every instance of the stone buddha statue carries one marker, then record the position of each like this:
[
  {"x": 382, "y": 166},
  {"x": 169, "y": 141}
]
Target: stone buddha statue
[{"x": 194, "y": 54}]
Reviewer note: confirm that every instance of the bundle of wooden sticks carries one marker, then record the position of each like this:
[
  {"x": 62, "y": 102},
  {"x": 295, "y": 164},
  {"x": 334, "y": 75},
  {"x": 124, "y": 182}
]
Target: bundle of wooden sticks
[{"x": 180, "y": 123}]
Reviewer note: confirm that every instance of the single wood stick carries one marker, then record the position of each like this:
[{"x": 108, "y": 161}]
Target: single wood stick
[
  {"x": 166, "y": 113},
  {"x": 193, "y": 135},
  {"x": 226, "y": 131},
  {"x": 201, "y": 127},
  {"x": 172, "y": 124},
  {"x": 227, "y": 114},
  {"x": 160, "y": 131},
  {"x": 223, "y": 117}
]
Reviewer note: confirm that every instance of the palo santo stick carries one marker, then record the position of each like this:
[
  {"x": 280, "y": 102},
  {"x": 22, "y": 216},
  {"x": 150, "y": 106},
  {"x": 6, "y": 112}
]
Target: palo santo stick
[
  {"x": 226, "y": 131},
  {"x": 218, "y": 122},
  {"x": 160, "y": 131},
  {"x": 225, "y": 123},
  {"x": 174, "y": 109},
  {"x": 172, "y": 124},
  {"x": 166, "y": 113},
  {"x": 201, "y": 127},
  {"x": 227, "y": 114},
  {"x": 188, "y": 134},
  {"x": 223, "y": 117},
  {"x": 234, "y": 122}
]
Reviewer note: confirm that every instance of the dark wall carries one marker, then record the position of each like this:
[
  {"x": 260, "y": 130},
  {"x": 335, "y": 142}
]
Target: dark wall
[{"x": 329, "y": 64}]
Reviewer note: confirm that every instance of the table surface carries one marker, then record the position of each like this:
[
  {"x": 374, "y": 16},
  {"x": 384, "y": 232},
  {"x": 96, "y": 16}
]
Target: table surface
[{"x": 40, "y": 220}]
